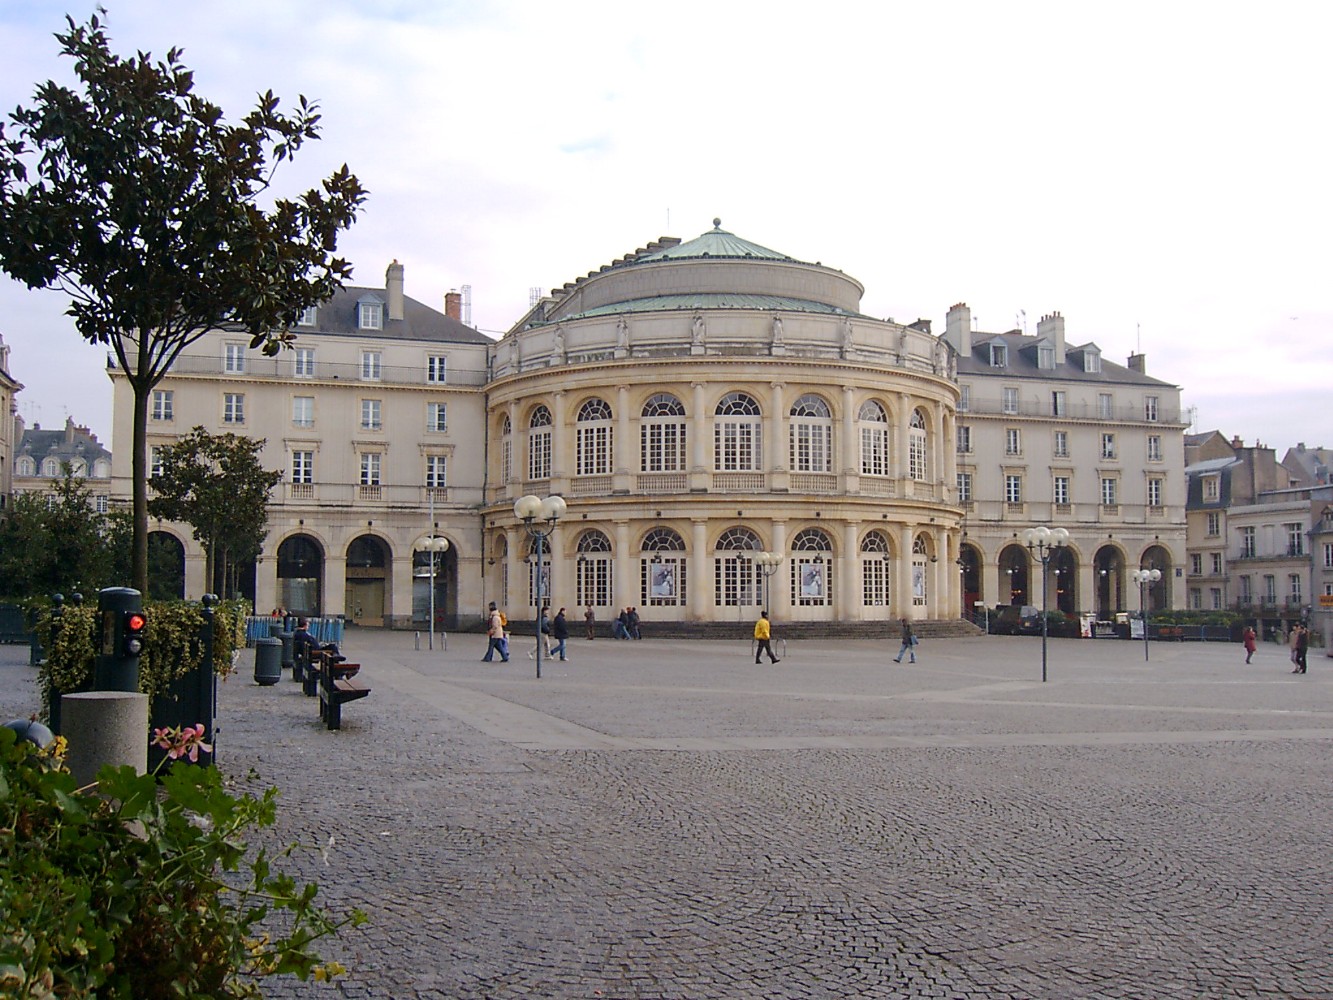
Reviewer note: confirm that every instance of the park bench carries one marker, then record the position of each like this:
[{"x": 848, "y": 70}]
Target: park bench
[{"x": 335, "y": 688}]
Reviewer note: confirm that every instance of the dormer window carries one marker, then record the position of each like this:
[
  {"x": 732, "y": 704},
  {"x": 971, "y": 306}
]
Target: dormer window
[
  {"x": 999, "y": 355},
  {"x": 309, "y": 316},
  {"x": 1046, "y": 356},
  {"x": 1092, "y": 360},
  {"x": 370, "y": 314}
]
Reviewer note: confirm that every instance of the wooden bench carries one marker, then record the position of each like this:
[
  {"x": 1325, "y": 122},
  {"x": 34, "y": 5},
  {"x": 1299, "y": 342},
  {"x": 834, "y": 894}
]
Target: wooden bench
[{"x": 335, "y": 688}]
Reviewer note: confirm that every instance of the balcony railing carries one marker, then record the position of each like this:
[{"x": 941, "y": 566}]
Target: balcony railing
[
  {"x": 283, "y": 366},
  {"x": 1123, "y": 413}
]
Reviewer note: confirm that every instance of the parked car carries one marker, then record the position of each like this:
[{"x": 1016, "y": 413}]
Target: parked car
[{"x": 1015, "y": 619}]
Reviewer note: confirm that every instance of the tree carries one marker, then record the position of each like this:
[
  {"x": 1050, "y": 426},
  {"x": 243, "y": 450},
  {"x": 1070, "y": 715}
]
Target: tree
[
  {"x": 134, "y": 197},
  {"x": 216, "y": 484}
]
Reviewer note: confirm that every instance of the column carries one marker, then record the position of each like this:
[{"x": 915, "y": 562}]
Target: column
[
  {"x": 561, "y": 454},
  {"x": 850, "y": 602},
  {"x": 518, "y": 472},
  {"x": 779, "y": 584},
  {"x": 335, "y": 585},
  {"x": 620, "y": 458},
  {"x": 626, "y": 566},
  {"x": 850, "y": 450},
  {"x": 900, "y": 463},
  {"x": 903, "y": 585},
  {"x": 774, "y": 462},
  {"x": 699, "y": 419},
  {"x": 701, "y": 570}
]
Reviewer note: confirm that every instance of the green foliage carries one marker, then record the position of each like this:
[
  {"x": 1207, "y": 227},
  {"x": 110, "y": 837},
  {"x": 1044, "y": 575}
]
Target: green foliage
[
  {"x": 172, "y": 647},
  {"x": 59, "y": 543},
  {"x": 133, "y": 195},
  {"x": 144, "y": 894},
  {"x": 1184, "y": 616},
  {"x": 216, "y": 484}
]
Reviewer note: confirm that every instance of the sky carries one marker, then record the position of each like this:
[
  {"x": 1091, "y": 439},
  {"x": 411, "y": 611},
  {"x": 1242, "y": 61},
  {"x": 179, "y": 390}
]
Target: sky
[{"x": 1156, "y": 172}]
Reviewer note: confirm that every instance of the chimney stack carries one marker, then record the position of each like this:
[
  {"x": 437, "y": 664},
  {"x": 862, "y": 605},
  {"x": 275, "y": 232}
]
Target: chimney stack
[
  {"x": 958, "y": 329},
  {"x": 1052, "y": 327},
  {"x": 453, "y": 306},
  {"x": 1138, "y": 363},
  {"x": 393, "y": 284}
]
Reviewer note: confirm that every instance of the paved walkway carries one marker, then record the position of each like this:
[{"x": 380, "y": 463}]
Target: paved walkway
[{"x": 659, "y": 820}]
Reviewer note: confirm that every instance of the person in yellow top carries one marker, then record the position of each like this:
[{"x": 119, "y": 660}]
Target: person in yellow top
[{"x": 761, "y": 635}]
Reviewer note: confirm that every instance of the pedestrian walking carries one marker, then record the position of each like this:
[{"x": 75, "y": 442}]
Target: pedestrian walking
[
  {"x": 590, "y": 622},
  {"x": 1249, "y": 638},
  {"x": 559, "y": 632},
  {"x": 620, "y": 627},
  {"x": 543, "y": 634},
  {"x": 496, "y": 640},
  {"x": 632, "y": 625},
  {"x": 909, "y": 643},
  {"x": 1300, "y": 647},
  {"x": 761, "y": 637}
]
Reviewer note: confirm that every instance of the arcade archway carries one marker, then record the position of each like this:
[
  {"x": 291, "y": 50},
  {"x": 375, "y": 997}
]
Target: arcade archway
[
  {"x": 369, "y": 587},
  {"x": 300, "y": 576}
]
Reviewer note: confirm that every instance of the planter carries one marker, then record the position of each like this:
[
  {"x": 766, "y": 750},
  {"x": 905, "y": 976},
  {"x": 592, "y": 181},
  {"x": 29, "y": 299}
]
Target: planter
[{"x": 188, "y": 700}]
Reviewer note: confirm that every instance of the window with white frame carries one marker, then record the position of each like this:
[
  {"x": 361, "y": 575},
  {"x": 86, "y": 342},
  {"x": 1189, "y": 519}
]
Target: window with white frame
[
  {"x": 370, "y": 415},
  {"x": 233, "y": 408},
  {"x": 1217, "y": 563},
  {"x": 737, "y": 440},
  {"x": 1214, "y": 524},
  {"x": 1013, "y": 441},
  {"x": 1154, "y": 492},
  {"x": 436, "y": 469},
  {"x": 1046, "y": 356},
  {"x": 1150, "y": 408},
  {"x": 662, "y": 430},
  {"x": 874, "y": 438},
  {"x": 1295, "y": 538},
  {"x": 1013, "y": 488},
  {"x": 1092, "y": 360},
  {"x": 370, "y": 315},
  {"x": 1215, "y": 596},
  {"x": 1154, "y": 447},
  {"x": 162, "y": 404},
  {"x": 1110, "y": 491},
  {"x": 964, "y": 482},
  {"x": 1211, "y": 488},
  {"x": 1246, "y": 590},
  {"x": 1105, "y": 405},
  {"x": 51, "y": 468},
  {"x": 371, "y": 366},
  {"x": 1059, "y": 403},
  {"x": 1294, "y": 589},
  {"x": 1060, "y": 490},
  {"x": 309, "y": 316},
  {"x": 370, "y": 468},
  {"x": 1247, "y": 543},
  {"x": 662, "y": 569},
  {"x": 593, "y": 570},
  {"x": 233, "y": 359},
  {"x": 810, "y": 435},
  {"x": 592, "y": 438},
  {"x": 303, "y": 362},
  {"x": 1328, "y": 555},
  {"x": 811, "y": 577},
  {"x": 303, "y": 467},
  {"x": 999, "y": 355},
  {"x": 1010, "y": 399},
  {"x": 539, "y": 444},
  {"x": 303, "y": 411},
  {"x": 1108, "y": 446},
  {"x": 964, "y": 398},
  {"x": 1196, "y": 599},
  {"x": 916, "y": 447},
  {"x": 437, "y": 417},
  {"x": 876, "y": 570},
  {"x": 1196, "y": 564},
  {"x": 155, "y": 468},
  {"x": 964, "y": 432},
  {"x": 737, "y": 578},
  {"x": 1061, "y": 449},
  {"x": 437, "y": 369},
  {"x": 506, "y": 451},
  {"x": 1270, "y": 588},
  {"x": 26, "y": 467},
  {"x": 102, "y": 503}
]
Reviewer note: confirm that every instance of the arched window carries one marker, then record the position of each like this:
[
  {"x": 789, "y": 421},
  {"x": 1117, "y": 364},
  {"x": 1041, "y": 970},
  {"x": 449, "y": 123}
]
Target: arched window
[
  {"x": 874, "y": 439},
  {"x": 920, "y": 552},
  {"x": 916, "y": 447},
  {"x": 506, "y": 451},
  {"x": 500, "y": 557},
  {"x": 737, "y": 441},
  {"x": 539, "y": 444},
  {"x": 737, "y": 580},
  {"x": 876, "y": 562},
  {"x": 662, "y": 434},
  {"x": 27, "y": 467},
  {"x": 593, "y": 439},
  {"x": 811, "y": 435},
  {"x": 811, "y": 569},
  {"x": 662, "y": 569},
  {"x": 593, "y": 570},
  {"x": 51, "y": 468}
]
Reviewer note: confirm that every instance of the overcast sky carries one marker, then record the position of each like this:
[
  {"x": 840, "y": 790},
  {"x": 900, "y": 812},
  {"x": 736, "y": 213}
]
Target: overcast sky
[{"x": 1157, "y": 172}]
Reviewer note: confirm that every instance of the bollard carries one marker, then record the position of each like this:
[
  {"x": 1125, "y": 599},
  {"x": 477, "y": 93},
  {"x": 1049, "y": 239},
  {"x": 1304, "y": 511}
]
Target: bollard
[{"x": 104, "y": 727}]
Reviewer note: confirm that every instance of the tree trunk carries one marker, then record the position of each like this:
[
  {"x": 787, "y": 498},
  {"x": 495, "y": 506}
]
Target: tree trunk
[{"x": 139, "y": 476}]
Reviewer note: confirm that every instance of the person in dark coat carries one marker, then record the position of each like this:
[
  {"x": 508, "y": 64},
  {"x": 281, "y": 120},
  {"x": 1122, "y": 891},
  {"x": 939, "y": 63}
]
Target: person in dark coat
[
  {"x": 559, "y": 632},
  {"x": 1301, "y": 645},
  {"x": 909, "y": 643},
  {"x": 632, "y": 624},
  {"x": 590, "y": 622}
]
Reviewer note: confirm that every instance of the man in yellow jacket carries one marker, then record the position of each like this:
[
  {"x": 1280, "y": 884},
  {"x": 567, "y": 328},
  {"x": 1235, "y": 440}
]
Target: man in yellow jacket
[{"x": 761, "y": 635}]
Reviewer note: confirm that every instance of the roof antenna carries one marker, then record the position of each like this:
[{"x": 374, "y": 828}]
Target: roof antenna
[{"x": 1138, "y": 338}]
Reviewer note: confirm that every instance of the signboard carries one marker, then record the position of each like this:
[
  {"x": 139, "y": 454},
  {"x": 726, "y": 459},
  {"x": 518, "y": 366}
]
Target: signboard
[{"x": 1326, "y": 600}]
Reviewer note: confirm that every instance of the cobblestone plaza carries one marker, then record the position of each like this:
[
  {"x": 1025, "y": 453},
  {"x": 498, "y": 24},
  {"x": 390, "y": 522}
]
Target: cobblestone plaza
[{"x": 664, "y": 819}]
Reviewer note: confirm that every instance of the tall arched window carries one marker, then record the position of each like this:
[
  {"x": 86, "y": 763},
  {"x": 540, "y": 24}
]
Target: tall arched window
[
  {"x": 592, "y": 441},
  {"x": 737, "y": 439},
  {"x": 539, "y": 444},
  {"x": 811, "y": 569},
  {"x": 506, "y": 451},
  {"x": 737, "y": 580},
  {"x": 662, "y": 434},
  {"x": 876, "y": 561},
  {"x": 916, "y": 447},
  {"x": 27, "y": 467},
  {"x": 874, "y": 439},
  {"x": 811, "y": 435},
  {"x": 662, "y": 569},
  {"x": 593, "y": 576},
  {"x": 920, "y": 552}
]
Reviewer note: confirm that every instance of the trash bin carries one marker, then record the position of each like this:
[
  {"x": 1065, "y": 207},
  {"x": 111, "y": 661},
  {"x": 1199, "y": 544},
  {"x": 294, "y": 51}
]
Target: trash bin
[
  {"x": 288, "y": 648},
  {"x": 268, "y": 661}
]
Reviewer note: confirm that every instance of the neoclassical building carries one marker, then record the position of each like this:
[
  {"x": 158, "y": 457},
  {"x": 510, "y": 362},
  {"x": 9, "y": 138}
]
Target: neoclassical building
[{"x": 699, "y": 403}]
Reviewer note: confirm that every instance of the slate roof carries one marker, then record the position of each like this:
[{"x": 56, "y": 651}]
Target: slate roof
[
  {"x": 338, "y": 317},
  {"x": 690, "y": 301},
  {"x": 1022, "y": 358}
]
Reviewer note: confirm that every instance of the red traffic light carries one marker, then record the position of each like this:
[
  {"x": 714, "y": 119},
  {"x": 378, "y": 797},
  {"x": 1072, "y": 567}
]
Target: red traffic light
[{"x": 135, "y": 622}]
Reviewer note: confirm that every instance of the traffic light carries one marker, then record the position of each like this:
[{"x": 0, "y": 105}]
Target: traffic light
[{"x": 131, "y": 632}]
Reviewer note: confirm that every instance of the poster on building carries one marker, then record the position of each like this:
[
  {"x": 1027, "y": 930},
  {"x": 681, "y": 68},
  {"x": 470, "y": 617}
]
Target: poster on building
[
  {"x": 918, "y": 582},
  {"x": 662, "y": 581},
  {"x": 812, "y": 580}
]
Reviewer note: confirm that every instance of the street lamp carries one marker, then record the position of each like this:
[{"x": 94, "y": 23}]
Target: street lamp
[
  {"x": 539, "y": 517},
  {"x": 1145, "y": 578},
  {"x": 768, "y": 563},
  {"x": 434, "y": 546},
  {"x": 1042, "y": 543}
]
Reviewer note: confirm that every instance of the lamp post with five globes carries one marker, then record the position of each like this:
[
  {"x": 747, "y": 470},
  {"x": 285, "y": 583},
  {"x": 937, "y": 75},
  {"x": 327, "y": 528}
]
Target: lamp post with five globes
[
  {"x": 1042, "y": 543},
  {"x": 1145, "y": 578},
  {"x": 539, "y": 517}
]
